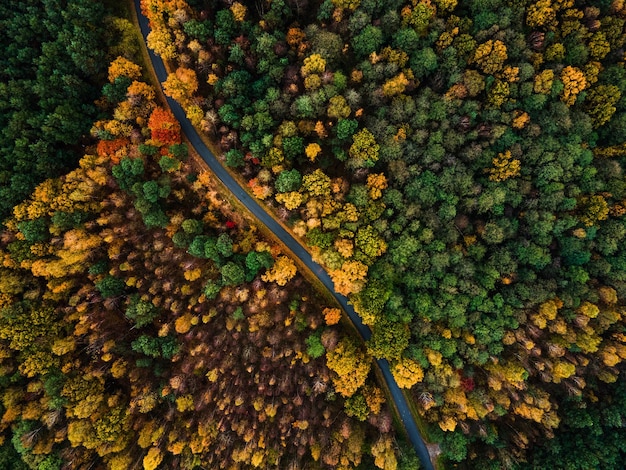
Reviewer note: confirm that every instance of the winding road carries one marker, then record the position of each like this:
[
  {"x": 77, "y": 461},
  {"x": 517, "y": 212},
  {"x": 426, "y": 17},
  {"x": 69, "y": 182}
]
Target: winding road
[{"x": 298, "y": 250}]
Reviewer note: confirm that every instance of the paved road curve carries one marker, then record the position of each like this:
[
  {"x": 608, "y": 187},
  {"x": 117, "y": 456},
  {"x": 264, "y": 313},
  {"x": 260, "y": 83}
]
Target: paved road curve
[{"x": 293, "y": 245}]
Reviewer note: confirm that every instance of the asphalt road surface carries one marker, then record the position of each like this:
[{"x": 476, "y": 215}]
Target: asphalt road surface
[{"x": 297, "y": 249}]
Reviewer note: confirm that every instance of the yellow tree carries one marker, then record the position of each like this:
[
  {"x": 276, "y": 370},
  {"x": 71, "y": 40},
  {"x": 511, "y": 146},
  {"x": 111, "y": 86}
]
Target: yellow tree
[
  {"x": 407, "y": 372},
  {"x": 540, "y": 13},
  {"x": 504, "y": 167},
  {"x": 351, "y": 366},
  {"x": 160, "y": 41},
  {"x": 364, "y": 149},
  {"x": 574, "y": 82},
  {"x": 490, "y": 56},
  {"x": 350, "y": 279},
  {"x": 122, "y": 67},
  {"x": 181, "y": 85},
  {"x": 283, "y": 270}
]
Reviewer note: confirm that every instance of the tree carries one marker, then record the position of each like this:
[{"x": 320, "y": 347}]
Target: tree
[
  {"x": 164, "y": 128},
  {"x": 232, "y": 274},
  {"x": 407, "y": 372},
  {"x": 367, "y": 41},
  {"x": 283, "y": 270},
  {"x": 364, "y": 149},
  {"x": 288, "y": 180},
  {"x": 110, "y": 286},
  {"x": 574, "y": 82},
  {"x": 350, "y": 365},
  {"x": 140, "y": 312},
  {"x": 600, "y": 103},
  {"x": 490, "y": 56},
  {"x": 122, "y": 67},
  {"x": 181, "y": 85}
]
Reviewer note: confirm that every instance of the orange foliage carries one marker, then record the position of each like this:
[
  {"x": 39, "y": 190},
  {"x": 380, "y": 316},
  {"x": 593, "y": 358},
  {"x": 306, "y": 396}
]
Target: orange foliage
[
  {"x": 164, "y": 127},
  {"x": 332, "y": 315},
  {"x": 122, "y": 67},
  {"x": 110, "y": 148}
]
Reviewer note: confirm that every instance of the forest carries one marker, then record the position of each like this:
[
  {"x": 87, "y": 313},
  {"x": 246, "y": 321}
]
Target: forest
[
  {"x": 146, "y": 324},
  {"x": 455, "y": 166}
]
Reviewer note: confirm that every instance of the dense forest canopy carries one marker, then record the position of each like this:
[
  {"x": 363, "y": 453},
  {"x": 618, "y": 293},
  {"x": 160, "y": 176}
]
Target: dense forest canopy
[
  {"x": 457, "y": 167},
  {"x": 144, "y": 323},
  {"x": 52, "y": 64}
]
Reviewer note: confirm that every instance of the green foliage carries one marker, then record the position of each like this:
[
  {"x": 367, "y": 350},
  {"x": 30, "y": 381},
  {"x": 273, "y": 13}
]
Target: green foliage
[
  {"x": 52, "y": 64},
  {"x": 314, "y": 348},
  {"x": 357, "y": 407},
  {"x": 211, "y": 289},
  {"x": 224, "y": 245},
  {"x": 110, "y": 286},
  {"x": 288, "y": 180},
  {"x": 141, "y": 313},
  {"x": 35, "y": 230},
  {"x": 161, "y": 347},
  {"x": 234, "y": 158},
  {"x": 128, "y": 172},
  {"x": 232, "y": 274}
]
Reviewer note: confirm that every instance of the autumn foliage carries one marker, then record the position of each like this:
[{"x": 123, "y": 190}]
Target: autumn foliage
[
  {"x": 144, "y": 322},
  {"x": 164, "y": 128}
]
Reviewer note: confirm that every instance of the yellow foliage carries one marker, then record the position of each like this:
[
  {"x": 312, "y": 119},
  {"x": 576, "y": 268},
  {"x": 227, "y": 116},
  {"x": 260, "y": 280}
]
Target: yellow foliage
[
  {"x": 540, "y": 14},
  {"x": 350, "y": 279},
  {"x": 283, "y": 270},
  {"x": 599, "y": 47},
  {"x": 338, "y": 107},
  {"x": 364, "y": 147},
  {"x": 317, "y": 183},
  {"x": 181, "y": 85},
  {"x": 315, "y": 63},
  {"x": 543, "y": 81},
  {"x": 291, "y": 200},
  {"x": 312, "y": 82},
  {"x": 520, "y": 119},
  {"x": 312, "y": 151},
  {"x": 239, "y": 11},
  {"x": 588, "y": 309},
  {"x": 547, "y": 312},
  {"x": 574, "y": 82},
  {"x": 407, "y": 372},
  {"x": 447, "y": 424},
  {"x": 594, "y": 209},
  {"x": 183, "y": 323},
  {"x": 184, "y": 403},
  {"x": 510, "y": 74},
  {"x": 383, "y": 453},
  {"x": 160, "y": 41},
  {"x": 152, "y": 459},
  {"x": 490, "y": 56},
  {"x": 562, "y": 370},
  {"x": 62, "y": 346},
  {"x": 396, "y": 85},
  {"x": 376, "y": 183},
  {"x": 504, "y": 167},
  {"x": 434, "y": 357},
  {"x": 347, "y": 4},
  {"x": 351, "y": 366},
  {"x": 120, "y": 462},
  {"x": 122, "y": 67}
]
